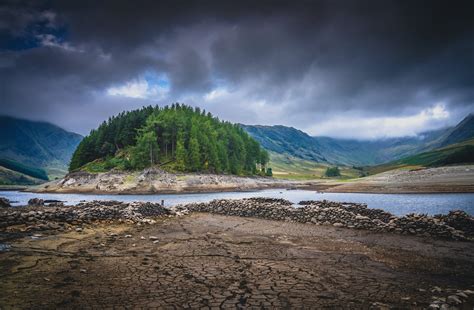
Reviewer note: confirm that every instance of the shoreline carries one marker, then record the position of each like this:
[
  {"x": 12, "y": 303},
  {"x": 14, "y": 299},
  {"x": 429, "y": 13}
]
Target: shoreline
[
  {"x": 180, "y": 191},
  {"x": 320, "y": 188},
  {"x": 451, "y": 179}
]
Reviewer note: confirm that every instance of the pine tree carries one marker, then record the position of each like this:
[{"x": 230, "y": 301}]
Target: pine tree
[
  {"x": 194, "y": 159},
  {"x": 145, "y": 153},
  {"x": 180, "y": 153}
]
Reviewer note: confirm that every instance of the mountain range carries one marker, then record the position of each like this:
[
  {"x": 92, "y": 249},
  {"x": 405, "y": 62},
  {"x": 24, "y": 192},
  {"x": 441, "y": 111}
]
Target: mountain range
[
  {"x": 28, "y": 147},
  {"x": 296, "y": 143}
]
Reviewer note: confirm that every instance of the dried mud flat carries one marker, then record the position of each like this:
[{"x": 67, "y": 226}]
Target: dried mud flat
[{"x": 214, "y": 261}]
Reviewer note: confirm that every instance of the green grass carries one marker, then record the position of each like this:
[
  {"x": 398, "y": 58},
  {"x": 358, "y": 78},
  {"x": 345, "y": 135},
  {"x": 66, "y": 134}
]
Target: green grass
[{"x": 289, "y": 167}]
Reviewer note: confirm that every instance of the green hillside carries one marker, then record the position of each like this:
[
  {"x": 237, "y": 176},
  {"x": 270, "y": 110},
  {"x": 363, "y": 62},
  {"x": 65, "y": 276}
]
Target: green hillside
[
  {"x": 24, "y": 169},
  {"x": 290, "y": 167},
  {"x": 37, "y": 144},
  {"x": 459, "y": 153},
  {"x": 176, "y": 138},
  {"x": 11, "y": 177},
  {"x": 462, "y": 132}
]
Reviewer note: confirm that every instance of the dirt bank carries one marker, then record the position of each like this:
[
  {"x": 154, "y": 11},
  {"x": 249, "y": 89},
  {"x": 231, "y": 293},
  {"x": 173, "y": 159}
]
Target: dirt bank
[
  {"x": 454, "y": 179},
  {"x": 158, "y": 181},
  {"x": 204, "y": 260}
]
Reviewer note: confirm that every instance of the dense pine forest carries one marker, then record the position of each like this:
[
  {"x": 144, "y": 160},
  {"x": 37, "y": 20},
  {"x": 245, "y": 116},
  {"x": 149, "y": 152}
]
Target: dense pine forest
[{"x": 176, "y": 138}]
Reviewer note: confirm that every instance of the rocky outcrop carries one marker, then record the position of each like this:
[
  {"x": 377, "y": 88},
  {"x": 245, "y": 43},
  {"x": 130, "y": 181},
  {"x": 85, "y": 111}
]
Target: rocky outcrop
[
  {"x": 4, "y": 203},
  {"x": 36, "y": 202},
  {"x": 456, "y": 225}
]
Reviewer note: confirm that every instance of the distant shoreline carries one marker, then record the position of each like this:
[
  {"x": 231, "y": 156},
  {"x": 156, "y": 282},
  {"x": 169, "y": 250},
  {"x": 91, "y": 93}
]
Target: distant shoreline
[{"x": 453, "y": 179}]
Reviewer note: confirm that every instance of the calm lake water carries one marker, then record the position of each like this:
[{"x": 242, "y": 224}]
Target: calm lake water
[{"x": 398, "y": 204}]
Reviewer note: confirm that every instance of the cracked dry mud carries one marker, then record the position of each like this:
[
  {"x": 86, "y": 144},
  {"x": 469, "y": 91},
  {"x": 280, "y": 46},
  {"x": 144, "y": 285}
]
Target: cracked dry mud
[{"x": 212, "y": 261}]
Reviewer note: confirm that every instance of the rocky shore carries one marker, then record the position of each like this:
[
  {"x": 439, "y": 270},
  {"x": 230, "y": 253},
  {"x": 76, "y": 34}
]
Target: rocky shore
[
  {"x": 249, "y": 253},
  {"x": 457, "y": 225},
  {"x": 41, "y": 215},
  {"x": 154, "y": 180}
]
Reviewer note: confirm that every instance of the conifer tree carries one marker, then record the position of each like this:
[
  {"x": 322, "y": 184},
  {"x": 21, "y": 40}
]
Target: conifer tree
[{"x": 180, "y": 153}]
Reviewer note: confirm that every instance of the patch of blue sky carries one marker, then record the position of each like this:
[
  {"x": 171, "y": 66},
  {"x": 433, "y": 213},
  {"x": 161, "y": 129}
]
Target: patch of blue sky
[{"x": 155, "y": 79}]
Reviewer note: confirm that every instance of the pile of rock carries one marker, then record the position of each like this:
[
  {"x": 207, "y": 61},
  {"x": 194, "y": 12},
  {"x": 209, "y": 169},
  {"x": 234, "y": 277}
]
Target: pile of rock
[
  {"x": 47, "y": 217},
  {"x": 351, "y": 215},
  {"x": 459, "y": 220}
]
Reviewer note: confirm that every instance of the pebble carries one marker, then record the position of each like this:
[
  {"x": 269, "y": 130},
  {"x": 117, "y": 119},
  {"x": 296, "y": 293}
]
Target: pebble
[{"x": 454, "y": 300}]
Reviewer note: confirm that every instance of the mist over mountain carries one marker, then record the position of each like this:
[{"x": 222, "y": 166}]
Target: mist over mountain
[{"x": 294, "y": 142}]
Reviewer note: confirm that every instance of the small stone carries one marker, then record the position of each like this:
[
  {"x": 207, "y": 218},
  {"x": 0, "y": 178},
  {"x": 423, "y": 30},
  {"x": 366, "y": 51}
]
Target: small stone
[
  {"x": 454, "y": 300},
  {"x": 47, "y": 279},
  {"x": 436, "y": 289},
  {"x": 83, "y": 270},
  {"x": 153, "y": 238},
  {"x": 128, "y": 236},
  {"x": 462, "y": 295},
  {"x": 79, "y": 229},
  {"x": 143, "y": 238},
  {"x": 338, "y": 225}
]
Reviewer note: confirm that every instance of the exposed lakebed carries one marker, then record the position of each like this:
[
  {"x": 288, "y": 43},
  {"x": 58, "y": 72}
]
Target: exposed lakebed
[{"x": 397, "y": 204}]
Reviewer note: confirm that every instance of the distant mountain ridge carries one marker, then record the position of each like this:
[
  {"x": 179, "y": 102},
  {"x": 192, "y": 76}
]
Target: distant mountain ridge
[
  {"x": 37, "y": 144},
  {"x": 294, "y": 142}
]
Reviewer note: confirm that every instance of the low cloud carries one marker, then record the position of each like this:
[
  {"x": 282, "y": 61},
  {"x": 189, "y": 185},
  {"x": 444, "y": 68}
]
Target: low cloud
[{"x": 383, "y": 127}]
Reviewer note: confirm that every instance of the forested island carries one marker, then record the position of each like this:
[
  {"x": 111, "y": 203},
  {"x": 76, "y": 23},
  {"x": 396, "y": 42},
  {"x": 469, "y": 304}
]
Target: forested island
[{"x": 176, "y": 138}]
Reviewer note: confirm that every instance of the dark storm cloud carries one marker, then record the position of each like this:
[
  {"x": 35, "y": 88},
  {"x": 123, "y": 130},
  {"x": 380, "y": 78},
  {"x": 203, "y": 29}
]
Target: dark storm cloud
[{"x": 263, "y": 62}]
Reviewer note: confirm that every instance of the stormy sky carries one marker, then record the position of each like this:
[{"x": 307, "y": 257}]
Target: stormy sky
[{"x": 360, "y": 69}]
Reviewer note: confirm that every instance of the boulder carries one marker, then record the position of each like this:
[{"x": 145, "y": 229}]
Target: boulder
[
  {"x": 4, "y": 203},
  {"x": 36, "y": 202}
]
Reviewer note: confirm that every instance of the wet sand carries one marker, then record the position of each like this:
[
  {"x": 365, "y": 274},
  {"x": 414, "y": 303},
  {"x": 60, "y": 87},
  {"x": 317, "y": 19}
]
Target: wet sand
[{"x": 212, "y": 261}]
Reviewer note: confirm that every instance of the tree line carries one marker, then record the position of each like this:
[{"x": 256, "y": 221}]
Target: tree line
[{"x": 177, "y": 137}]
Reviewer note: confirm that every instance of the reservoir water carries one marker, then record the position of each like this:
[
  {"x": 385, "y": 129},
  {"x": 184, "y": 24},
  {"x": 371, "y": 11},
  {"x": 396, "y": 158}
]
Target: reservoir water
[{"x": 398, "y": 204}]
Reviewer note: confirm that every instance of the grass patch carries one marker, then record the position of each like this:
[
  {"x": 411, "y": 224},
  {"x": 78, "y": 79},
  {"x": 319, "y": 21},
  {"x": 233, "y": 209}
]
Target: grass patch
[{"x": 289, "y": 167}]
